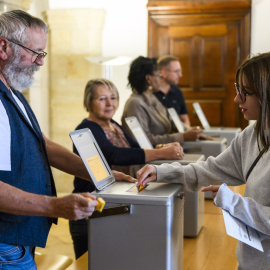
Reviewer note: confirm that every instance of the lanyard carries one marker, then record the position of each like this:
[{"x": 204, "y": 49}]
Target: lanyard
[{"x": 254, "y": 163}]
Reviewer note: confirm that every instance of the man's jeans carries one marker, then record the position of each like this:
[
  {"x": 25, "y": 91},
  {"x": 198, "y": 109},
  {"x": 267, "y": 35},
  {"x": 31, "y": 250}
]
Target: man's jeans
[{"x": 16, "y": 257}]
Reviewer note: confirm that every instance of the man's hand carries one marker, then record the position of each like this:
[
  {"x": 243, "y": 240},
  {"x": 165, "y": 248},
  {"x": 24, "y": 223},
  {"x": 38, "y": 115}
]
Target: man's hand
[
  {"x": 192, "y": 134},
  {"x": 74, "y": 206},
  {"x": 119, "y": 176},
  {"x": 146, "y": 174},
  {"x": 214, "y": 190},
  {"x": 204, "y": 137}
]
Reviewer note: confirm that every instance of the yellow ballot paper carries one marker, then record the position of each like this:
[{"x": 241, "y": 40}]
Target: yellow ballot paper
[
  {"x": 97, "y": 168},
  {"x": 141, "y": 187},
  {"x": 101, "y": 203}
]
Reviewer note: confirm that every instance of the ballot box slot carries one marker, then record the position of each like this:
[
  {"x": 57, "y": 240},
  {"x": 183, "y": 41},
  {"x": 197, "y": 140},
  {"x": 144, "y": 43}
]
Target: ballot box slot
[
  {"x": 215, "y": 135},
  {"x": 112, "y": 211},
  {"x": 192, "y": 150}
]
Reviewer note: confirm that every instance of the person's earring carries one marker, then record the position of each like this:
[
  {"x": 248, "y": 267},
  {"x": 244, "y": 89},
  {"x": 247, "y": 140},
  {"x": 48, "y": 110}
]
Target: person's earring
[{"x": 150, "y": 87}]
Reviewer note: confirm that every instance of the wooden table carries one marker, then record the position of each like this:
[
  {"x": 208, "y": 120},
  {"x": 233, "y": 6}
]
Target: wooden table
[{"x": 80, "y": 264}]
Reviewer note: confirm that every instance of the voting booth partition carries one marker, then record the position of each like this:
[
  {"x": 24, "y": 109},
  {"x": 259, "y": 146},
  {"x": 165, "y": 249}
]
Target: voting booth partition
[
  {"x": 138, "y": 230},
  {"x": 218, "y": 132}
]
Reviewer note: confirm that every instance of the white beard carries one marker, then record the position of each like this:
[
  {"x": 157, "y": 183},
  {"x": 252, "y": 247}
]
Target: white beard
[{"x": 18, "y": 76}]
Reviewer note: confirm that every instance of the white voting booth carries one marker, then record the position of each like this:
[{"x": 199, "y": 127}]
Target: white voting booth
[
  {"x": 206, "y": 148},
  {"x": 218, "y": 132},
  {"x": 135, "y": 230},
  {"x": 180, "y": 126}
]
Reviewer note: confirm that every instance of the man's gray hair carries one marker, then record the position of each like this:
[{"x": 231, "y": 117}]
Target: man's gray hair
[{"x": 14, "y": 25}]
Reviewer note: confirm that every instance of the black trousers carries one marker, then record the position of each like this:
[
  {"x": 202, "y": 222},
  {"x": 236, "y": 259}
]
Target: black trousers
[{"x": 79, "y": 234}]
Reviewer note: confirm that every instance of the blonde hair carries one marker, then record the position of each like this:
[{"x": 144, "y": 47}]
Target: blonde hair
[{"x": 91, "y": 90}]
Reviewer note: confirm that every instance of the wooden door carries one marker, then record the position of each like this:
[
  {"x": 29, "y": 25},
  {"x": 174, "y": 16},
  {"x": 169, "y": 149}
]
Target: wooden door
[{"x": 210, "y": 46}]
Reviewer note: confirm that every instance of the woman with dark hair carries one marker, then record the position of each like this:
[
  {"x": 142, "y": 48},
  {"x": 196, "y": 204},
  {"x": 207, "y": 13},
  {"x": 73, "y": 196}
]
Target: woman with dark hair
[
  {"x": 144, "y": 77},
  {"x": 246, "y": 161}
]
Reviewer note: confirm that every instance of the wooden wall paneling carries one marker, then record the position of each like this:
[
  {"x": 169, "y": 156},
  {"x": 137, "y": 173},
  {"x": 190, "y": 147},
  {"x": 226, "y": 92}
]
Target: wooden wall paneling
[
  {"x": 210, "y": 38},
  {"x": 185, "y": 48}
]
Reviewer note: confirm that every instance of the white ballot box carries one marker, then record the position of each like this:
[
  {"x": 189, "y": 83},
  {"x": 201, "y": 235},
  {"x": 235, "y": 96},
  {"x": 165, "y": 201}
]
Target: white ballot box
[
  {"x": 194, "y": 201},
  {"x": 137, "y": 230},
  {"x": 218, "y": 132},
  {"x": 222, "y": 132},
  {"x": 206, "y": 148}
]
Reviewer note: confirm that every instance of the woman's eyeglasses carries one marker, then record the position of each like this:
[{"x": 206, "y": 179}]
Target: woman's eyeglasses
[
  {"x": 104, "y": 99},
  {"x": 242, "y": 93}
]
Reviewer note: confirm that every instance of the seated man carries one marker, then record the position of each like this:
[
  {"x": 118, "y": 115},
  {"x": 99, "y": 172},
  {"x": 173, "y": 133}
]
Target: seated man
[{"x": 169, "y": 94}]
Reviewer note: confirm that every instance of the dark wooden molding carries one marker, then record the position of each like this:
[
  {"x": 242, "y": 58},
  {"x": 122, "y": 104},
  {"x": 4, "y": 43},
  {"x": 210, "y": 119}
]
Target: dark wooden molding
[{"x": 197, "y": 6}]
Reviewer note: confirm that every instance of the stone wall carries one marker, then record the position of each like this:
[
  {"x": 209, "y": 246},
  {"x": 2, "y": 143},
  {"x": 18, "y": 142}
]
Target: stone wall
[{"x": 73, "y": 35}]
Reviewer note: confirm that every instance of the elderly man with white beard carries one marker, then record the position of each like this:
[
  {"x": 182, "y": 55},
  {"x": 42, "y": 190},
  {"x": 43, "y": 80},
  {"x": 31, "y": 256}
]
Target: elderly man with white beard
[{"x": 28, "y": 202}]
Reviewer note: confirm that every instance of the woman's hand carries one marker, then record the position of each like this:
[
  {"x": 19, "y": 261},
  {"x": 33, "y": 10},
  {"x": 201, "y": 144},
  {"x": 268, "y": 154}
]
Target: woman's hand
[
  {"x": 214, "y": 190},
  {"x": 119, "y": 176},
  {"x": 146, "y": 174},
  {"x": 170, "y": 144},
  {"x": 172, "y": 151}
]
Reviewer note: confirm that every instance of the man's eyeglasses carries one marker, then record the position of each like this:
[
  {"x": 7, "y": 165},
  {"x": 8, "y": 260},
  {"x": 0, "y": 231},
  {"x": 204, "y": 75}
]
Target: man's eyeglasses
[
  {"x": 157, "y": 75},
  {"x": 39, "y": 55},
  {"x": 174, "y": 71},
  {"x": 242, "y": 93}
]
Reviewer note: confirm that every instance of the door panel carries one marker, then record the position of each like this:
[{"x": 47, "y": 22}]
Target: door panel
[
  {"x": 212, "y": 69},
  {"x": 203, "y": 53},
  {"x": 211, "y": 108}
]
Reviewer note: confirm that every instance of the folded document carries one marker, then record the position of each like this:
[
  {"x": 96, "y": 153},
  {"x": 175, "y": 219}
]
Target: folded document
[{"x": 239, "y": 230}]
